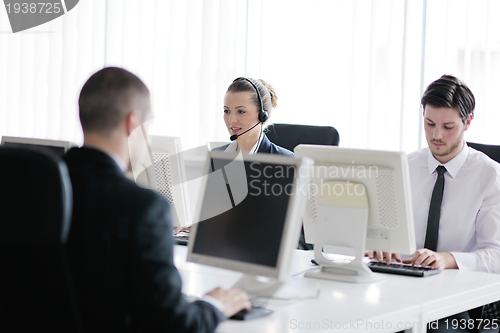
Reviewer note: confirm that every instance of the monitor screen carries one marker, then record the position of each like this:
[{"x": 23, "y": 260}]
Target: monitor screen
[
  {"x": 252, "y": 230},
  {"x": 56, "y": 147},
  {"x": 250, "y": 214}
]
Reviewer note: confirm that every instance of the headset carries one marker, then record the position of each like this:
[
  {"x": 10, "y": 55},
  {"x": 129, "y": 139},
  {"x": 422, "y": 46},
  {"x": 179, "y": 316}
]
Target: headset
[{"x": 263, "y": 114}]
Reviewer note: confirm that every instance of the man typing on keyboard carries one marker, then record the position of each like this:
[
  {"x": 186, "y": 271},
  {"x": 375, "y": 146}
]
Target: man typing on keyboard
[{"x": 455, "y": 189}]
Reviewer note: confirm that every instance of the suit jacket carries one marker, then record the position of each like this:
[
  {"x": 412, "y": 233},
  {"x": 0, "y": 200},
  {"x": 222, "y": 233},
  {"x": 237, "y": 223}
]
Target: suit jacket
[
  {"x": 266, "y": 147},
  {"x": 121, "y": 252}
]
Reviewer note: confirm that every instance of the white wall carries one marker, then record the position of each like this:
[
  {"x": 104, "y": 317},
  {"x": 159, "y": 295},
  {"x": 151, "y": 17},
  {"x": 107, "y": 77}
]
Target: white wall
[{"x": 360, "y": 65}]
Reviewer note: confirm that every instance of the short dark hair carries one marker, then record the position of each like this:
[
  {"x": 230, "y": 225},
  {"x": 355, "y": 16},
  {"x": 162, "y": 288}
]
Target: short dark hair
[
  {"x": 450, "y": 92},
  {"x": 108, "y": 96}
]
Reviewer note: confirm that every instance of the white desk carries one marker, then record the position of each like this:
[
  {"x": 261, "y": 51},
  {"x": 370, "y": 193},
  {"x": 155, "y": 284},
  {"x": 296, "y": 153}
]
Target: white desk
[{"x": 396, "y": 303}]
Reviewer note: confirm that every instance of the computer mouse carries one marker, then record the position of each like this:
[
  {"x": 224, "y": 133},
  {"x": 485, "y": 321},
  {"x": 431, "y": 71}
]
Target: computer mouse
[
  {"x": 256, "y": 312},
  {"x": 240, "y": 315}
]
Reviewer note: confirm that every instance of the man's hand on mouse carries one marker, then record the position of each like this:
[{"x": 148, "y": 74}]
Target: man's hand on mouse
[{"x": 233, "y": 300}]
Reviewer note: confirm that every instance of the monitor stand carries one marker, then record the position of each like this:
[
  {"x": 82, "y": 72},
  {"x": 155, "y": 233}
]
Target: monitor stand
[
  {"x": 344, "y": 225},
  {"x": 258, "y": 286}
]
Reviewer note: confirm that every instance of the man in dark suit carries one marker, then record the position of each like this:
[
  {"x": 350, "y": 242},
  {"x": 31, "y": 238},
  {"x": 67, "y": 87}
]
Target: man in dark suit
[{"x": 120, "y": 244}]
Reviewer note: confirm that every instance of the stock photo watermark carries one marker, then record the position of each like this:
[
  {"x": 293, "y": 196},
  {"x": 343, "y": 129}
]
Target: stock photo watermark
[
  {"x": 27, "y": 14},
  {"x": 364, "y": 324},
  {"x": 262, "y": 180},
  {"x": 358, "y": 324}
]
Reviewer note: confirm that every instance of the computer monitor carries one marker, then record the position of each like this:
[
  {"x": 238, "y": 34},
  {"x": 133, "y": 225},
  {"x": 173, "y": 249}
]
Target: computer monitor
[
  {"x": 163, "y": 170},
  {"x": 359, "y": 199},
  {"x": 250, "y": 217},
  {"x": 57, "y": 147}
]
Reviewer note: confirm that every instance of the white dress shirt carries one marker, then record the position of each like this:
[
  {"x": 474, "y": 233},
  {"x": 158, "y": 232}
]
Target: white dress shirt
[{"x": 469, "y": 226}]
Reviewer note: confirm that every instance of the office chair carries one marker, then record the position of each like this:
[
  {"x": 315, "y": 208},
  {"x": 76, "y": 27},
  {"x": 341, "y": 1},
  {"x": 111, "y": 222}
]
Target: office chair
[
  {"x": 36, "y": 292},
  {"x": 289, "y": 135},
  {"x": 492, "y": 151},
  {"x": 492, "y": 310}
]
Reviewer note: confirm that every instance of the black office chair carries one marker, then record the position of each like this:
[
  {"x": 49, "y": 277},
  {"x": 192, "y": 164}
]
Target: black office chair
[
  {"x": 489, "y": 311},
  {"x": 289, "y": 135},
  {"x": 492, "y": 151},
  {"x": 36, "y": 292}
]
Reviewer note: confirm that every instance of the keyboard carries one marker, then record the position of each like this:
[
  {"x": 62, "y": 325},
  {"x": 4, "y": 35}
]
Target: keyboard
[
  {"x": 402, "y": 269},
  {"x": 181, "y": 238}
]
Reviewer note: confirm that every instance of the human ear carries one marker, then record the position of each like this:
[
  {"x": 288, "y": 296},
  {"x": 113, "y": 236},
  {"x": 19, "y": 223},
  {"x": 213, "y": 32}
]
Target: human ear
[
  {"x": 132, "y": 120},
  {"x": 468, "y": 121}
]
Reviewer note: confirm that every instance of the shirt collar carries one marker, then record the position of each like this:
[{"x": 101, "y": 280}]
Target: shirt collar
[
  {"x": 233, "y": 147},
  {"x": 453, "y": 166},
  {"x": 256, "y": 145}
]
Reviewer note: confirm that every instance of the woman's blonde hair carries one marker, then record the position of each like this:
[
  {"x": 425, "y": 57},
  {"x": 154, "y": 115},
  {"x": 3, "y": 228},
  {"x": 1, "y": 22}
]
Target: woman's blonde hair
[{"x": 267, "y": 93}]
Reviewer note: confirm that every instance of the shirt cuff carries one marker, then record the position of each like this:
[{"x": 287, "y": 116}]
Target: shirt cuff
[
  {"x": 465, "y": 261},
  {"x": 213, "y": 301}
]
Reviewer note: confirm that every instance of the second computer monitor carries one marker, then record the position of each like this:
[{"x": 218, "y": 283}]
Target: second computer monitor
[
  {"x": 163, "y": 170},
  {"x": 56, "y": 147},
  {"x": 359, "y": 199}
]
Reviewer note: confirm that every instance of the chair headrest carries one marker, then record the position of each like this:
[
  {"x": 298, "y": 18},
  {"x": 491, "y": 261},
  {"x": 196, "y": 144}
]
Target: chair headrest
[{"x": 37, "y": 197}]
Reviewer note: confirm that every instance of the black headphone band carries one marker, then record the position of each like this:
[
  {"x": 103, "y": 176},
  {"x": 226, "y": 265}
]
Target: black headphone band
[{"x": 263, "y": 114}]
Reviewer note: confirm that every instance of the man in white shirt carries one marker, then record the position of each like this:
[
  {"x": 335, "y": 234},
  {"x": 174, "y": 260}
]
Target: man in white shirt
[
  {"x": 462, "y": 230},
  {"x": 469, "y": 223}
]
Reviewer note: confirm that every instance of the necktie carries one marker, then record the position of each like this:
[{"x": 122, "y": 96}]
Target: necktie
[{"x": 431, "y": 236}]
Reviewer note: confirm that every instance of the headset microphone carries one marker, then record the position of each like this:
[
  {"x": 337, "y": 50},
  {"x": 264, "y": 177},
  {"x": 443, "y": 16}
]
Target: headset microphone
[
  {"x": 236, "y": 136},
  {"x": 263, "y": 114}
]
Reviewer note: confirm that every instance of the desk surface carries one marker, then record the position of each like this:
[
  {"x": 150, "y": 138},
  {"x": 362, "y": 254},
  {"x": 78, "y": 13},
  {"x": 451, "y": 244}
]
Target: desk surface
[{"x": 393, "y": 304}]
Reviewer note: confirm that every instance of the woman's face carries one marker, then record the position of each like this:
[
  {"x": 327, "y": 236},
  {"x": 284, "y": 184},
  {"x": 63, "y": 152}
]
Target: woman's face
[{"x": 240, "y": 114}]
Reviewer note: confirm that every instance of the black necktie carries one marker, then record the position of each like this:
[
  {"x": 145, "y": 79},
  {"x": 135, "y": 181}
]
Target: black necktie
[{"x": 431, "y": 236}]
